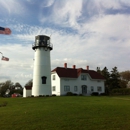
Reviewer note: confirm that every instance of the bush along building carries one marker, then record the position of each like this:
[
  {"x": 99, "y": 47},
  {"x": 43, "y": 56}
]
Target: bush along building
[{"x": 76, "y": 80}]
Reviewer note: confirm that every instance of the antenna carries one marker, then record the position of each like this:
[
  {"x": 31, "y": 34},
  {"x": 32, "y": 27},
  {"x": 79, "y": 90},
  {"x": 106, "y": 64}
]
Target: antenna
[
  {"x": 50, "y": 38},
  {"x": 50, "y": 35}
]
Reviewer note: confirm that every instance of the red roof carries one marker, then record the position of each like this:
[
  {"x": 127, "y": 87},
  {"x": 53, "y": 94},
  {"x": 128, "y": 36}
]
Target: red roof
[
  {"x": 28, "y": 87},
  {"x": 74, "y": 73}
]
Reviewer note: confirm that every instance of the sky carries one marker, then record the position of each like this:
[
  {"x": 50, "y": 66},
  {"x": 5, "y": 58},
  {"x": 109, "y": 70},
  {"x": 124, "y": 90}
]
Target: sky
[{"x": 83, "y": 32}]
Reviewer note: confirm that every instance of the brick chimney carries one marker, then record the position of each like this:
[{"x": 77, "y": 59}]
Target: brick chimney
[
  {"x": 87, "y": 67},
  {"x": 74, "y": 66},
  {"x": 65, "y": 65}
]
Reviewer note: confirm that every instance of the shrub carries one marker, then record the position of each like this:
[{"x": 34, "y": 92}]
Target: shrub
[
  {"x": 75, "y": 94},
  {"x": 121, "y": 91},
  {"x": 80, "y": 94},
  {"x": 53, "y": 94},
  {"x": 95, "y": 94},
  {"x": 102, "y": 94},
  {"x": 69, "y": 94},
  {"x": 40, "y": 95},
  {"x": 32, "y": 95},
  {"x": 47, "y": 95}
]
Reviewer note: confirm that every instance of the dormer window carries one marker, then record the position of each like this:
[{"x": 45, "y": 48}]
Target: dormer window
[{"x": 83, "y": 77}]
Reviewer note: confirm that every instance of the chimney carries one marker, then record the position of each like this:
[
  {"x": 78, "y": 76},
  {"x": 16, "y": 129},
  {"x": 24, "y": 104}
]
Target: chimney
[
  {"x": 74, "y": 66},
  {"x": 87, "y": 67},
  {"x": 65, "y": 65}
]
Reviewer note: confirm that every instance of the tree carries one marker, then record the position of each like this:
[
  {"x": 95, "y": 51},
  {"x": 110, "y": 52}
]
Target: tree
[
  {"x": 29, "y": 83},
  {"x": 4, "y": 86},
  {"x": 16, "y": 88},
  {"x": 10, "y": 87},
  {"x": 125, "y": 75},
  {"x": 98, "y": 70},
  {"x": 114, "y": 79},
  {"x": 123, "y": 84},
  {"x": 18, "y": 85},
  {"x": 106, "y": 75}
]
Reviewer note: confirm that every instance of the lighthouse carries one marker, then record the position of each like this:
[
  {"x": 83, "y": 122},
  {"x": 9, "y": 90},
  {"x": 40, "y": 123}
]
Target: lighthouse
[{"x": 42, "y": 66}]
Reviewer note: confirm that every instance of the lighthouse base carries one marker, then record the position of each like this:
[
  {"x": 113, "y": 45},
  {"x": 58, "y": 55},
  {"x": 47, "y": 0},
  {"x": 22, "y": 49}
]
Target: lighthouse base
[{"x": 41, "y": 91}]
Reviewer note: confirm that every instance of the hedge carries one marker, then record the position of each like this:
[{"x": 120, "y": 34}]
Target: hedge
[{"x": 121, "y": 91}]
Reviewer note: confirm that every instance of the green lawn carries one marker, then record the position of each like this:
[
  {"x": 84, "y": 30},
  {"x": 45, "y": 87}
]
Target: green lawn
[{"x": 66, "y": 113}]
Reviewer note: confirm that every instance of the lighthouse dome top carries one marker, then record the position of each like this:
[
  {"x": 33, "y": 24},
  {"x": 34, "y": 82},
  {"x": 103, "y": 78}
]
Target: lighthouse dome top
[{"x": 42, "y": 41}]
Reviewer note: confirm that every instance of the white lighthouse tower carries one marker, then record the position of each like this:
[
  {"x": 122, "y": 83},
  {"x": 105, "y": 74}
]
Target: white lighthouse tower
[{"x": 42, "y": 66}]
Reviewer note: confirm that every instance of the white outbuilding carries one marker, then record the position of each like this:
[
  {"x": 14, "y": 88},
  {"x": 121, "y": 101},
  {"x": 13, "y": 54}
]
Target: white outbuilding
[{"x": 27, "y": 91}]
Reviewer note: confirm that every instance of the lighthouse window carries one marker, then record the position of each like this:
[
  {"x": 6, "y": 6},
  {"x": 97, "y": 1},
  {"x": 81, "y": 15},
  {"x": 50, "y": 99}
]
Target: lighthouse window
[{"x": 44, "y": 79}]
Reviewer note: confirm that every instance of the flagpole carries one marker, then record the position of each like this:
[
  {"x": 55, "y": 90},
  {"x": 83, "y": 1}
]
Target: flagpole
[
  {"x": 1, "y": 53},
  {"x": 1, "y": 57}
]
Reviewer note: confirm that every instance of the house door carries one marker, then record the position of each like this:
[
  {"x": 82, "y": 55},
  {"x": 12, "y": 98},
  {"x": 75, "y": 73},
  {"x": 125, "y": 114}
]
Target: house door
[{"x": 84, "y": 89}]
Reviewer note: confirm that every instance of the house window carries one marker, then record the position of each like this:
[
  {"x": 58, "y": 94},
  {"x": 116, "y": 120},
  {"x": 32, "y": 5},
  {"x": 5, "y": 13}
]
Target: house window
[
  {"x": 83, "y": 77},
  {"x": 75, "y": 88},
  {"x": 66, "y": 79},
  {"x": 92, "y": 88},
  {"x": 54, "y": 77},
  {"x": 54, "y": 88},
  {"x": 99, "y": 89},
  {"x": 66, "y": 88},
  {"x": 98, "y": 81}
]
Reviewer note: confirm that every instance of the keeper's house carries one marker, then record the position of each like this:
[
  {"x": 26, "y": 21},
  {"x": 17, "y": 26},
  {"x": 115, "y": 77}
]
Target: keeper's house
[{"x": 78, "y": 81}]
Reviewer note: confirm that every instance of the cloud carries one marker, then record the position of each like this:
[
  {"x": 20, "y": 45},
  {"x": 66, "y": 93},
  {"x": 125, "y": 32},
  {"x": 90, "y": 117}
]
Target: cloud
[
  {"x": 47, "y": 3},
  {"x": 12, "y": 7},
  {"x": 19, "y": 65},
  {"x": 65, "y": 12}
]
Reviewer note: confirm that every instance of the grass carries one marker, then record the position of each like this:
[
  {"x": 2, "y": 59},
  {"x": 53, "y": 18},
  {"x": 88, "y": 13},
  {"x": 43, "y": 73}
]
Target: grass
[{"x": 65, "y": 113}]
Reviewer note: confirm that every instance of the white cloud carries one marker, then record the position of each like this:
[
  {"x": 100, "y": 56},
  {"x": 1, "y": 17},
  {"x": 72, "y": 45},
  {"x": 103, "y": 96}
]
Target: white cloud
[
  {"x": 20, "y": 62},
  {"x": 65, "y": 12},
  {"x": 116, "y": 26},
  {"x": 107, "y": 4},
  {"x": 12, "y": 7},
  {"x": 47, "y": 3}
]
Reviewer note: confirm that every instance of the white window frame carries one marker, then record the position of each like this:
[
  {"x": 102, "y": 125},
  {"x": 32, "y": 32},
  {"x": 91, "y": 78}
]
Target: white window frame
[
  {"x": 92, "y": 88},
  {"x": 75, "y": 88},
  {"x": 53, "y": 88},
  {"x": 83, "y": 77},
  {"x": 53, "y": 77},
  {"x": 99, "y": 88},
  {"x": 67, "y": 88}
]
